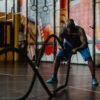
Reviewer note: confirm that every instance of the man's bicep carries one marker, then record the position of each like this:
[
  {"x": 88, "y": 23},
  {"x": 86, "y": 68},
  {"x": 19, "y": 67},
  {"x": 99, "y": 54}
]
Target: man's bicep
[{"x": 83, "y": 37}]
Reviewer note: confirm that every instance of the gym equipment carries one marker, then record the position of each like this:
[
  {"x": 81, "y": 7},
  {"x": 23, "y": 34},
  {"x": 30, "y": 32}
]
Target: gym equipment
[
  {"x": 45, "y": 8},
  {"x": 33, "y": 7},
  {"x": 35, "y": 67},
  {"x": 40, "y": 78}
]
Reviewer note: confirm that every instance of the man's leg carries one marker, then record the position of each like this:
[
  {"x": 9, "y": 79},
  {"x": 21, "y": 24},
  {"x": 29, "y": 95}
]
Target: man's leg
[
  {"x": 53, "y": 79},
  {"x": 92, "y": 70},
  {"x": 87, "y": 57},
  {"x": 58, "y": 58},
  {"x": 61, "y": 55},
  {"x": 56, "y": 66},
  {"x": 91, "y": 67}
]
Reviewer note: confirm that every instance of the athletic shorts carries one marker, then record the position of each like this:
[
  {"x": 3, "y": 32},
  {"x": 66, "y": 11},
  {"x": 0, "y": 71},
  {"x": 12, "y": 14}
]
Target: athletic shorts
[{"x": 66, "y": 54}]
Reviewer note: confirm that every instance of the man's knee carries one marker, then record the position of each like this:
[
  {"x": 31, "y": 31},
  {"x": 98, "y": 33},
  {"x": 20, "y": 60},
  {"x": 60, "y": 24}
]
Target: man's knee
[
  {"x": 90, "y": 60},
  {"x": 57, "y": 59}
]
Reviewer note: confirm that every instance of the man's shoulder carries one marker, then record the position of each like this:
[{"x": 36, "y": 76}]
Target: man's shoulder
[
  {"x": 79, "y": 27},
  {"x": 64, "y": 29}
]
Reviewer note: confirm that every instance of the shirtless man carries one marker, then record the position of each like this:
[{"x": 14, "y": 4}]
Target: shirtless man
[{"x": 73, "y": 39}]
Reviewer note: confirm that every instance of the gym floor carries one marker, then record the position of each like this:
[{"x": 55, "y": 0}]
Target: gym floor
[{"x": 16, "y": 78}]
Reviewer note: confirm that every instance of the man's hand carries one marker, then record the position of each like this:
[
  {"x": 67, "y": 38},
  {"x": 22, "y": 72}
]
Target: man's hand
[
  {"x": 74, "y": 51},
  {"x": 62, "y": 48}
]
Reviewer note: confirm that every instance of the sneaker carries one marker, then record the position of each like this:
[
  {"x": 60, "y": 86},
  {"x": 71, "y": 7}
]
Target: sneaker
[
  {"x": 94, "y": 82},
  {"x": 52, "y": 80}
]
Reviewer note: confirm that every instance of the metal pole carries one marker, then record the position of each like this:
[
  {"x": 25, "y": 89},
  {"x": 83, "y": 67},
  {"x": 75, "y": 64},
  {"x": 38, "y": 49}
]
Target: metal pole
[
  {"x": 36, "y": 49},
  {"x": 68, "y": 4},
  {"x": 94, "y": 33},
  {"x": 5, "y": 39},
  {"x": 54, "y": 10},
  {"x": 26, "y": 25},
  {"x": 13, "y": 28}
]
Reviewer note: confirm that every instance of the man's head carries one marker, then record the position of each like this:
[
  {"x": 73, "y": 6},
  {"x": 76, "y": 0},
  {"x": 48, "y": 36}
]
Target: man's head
[{"x": 70, "y": 25}]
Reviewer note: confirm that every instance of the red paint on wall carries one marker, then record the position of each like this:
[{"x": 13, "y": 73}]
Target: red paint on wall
[
  {"x": 63, "y": 3},
  {"x": 46, "y": 31},
  {"x": 20, "y": 3}
]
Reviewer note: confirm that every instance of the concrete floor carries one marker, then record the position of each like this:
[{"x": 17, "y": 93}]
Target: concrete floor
[{"x": 16, "y": 78}]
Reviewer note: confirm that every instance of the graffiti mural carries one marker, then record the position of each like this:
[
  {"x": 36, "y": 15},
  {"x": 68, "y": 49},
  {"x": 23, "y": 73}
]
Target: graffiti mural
[{"x": 45, "y": 22}]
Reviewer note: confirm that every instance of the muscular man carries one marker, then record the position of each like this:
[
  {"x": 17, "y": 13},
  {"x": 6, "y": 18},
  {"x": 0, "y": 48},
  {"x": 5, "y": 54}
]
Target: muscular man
[{"x": 74, "y": 39}]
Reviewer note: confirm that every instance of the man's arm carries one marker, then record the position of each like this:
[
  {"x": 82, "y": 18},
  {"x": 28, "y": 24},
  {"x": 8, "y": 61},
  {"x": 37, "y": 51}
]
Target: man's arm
[
  {"x": 62, "y": 35},
  {"x": 83, "y": 40}
]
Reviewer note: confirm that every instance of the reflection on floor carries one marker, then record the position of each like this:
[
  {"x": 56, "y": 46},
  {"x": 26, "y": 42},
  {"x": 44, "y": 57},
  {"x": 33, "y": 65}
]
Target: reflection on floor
[{"x": 16, "y": 78}]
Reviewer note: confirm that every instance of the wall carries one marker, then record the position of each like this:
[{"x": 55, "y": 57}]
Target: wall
[{"x": 81, "y": 12}]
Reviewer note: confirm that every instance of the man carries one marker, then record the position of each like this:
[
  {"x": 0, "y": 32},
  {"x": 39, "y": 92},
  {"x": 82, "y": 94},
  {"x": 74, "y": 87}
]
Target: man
[{"x": 74, "y": 39}]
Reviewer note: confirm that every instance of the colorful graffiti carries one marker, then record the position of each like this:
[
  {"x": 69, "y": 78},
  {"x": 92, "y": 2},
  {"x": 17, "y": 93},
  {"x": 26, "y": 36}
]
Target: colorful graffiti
[
  {"x": 45, "y": 32},
  {"x": 44, "y": 23}
]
